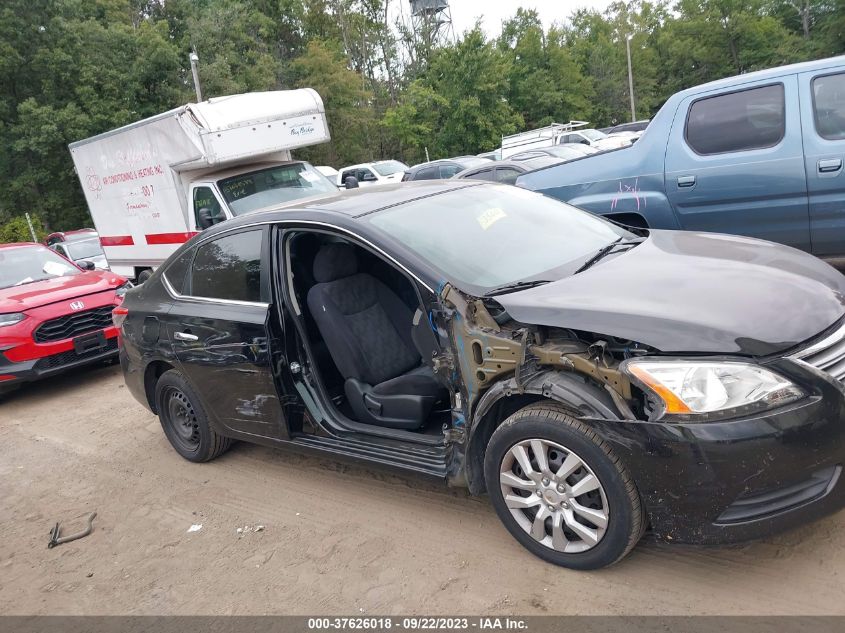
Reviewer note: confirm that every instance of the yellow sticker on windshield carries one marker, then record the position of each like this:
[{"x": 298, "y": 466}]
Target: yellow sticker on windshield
[{"x": 489, "y": 217}]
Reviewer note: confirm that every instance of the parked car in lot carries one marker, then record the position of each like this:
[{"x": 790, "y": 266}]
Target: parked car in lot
[
  {"x": 443, "y": 168},
  {"x": 81, "y": 251},
  {"x": 369, "y": 174},
  {"x": 69, "y": 236},
  {"x": 564, "y": 152},
  {"x": 506, "y": 171},
  {"x": 54, "y": 315},
  {"x": 760, "y": 155},
  {"x": 572, "y": 133},
  {"x": 591, "y": 379},
  {"x": 635, "y": 126}
]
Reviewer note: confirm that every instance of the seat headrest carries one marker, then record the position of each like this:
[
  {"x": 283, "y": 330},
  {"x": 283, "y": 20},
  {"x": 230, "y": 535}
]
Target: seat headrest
[{"x": 335, "y": 261}]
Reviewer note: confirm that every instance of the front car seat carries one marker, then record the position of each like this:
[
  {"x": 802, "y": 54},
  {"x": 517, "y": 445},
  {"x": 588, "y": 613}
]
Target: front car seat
[{"x": 368, "y": 331}]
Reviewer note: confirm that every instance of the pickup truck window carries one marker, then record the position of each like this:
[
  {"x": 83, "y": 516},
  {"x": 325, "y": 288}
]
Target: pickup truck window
[
  {"x": 829, "y": 106},
  {"x": 737, "y": 121},
  {"x": 229, "y": 268}
]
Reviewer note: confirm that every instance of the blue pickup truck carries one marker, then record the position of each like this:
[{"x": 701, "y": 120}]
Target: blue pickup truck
[{"x": 760, "y": 155}]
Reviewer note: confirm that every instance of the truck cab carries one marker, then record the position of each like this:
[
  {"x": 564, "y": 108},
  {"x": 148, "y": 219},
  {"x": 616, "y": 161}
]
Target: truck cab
[
  {"x": 758, "y": 155},
  {"x": 222, "y": 195}
]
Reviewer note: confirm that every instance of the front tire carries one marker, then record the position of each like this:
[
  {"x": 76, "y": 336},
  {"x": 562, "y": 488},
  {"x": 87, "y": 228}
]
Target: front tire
[
  {"x": 560, "y": 490},
  {"x": 184, "y": 420}
]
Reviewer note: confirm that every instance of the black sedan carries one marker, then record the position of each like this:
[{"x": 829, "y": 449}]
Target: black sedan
[
  {"x": 443, "y": 168},
  {"x": 594, "y": 381}
]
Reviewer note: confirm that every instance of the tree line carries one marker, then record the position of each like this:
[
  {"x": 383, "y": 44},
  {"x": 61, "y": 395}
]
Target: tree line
[{"x": 70, "y": 69}]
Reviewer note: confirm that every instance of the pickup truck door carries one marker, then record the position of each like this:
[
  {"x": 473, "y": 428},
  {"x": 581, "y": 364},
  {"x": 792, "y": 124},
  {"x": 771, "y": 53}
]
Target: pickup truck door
[
  {"x": 735, "y": 163},
  {"x": 219, "y": 329},
  {"x": 823, "y": 119}
]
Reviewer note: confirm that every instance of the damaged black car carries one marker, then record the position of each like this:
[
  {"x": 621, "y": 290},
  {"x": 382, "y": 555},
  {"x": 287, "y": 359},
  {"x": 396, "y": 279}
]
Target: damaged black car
[{"x": 595, "y": 381}]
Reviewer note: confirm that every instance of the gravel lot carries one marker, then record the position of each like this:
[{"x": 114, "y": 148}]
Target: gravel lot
[{"x": 337, "y": 538}]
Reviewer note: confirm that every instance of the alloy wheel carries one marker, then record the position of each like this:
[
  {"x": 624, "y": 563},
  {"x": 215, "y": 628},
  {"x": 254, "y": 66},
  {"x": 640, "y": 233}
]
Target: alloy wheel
[{"x": 554, "y": 495}]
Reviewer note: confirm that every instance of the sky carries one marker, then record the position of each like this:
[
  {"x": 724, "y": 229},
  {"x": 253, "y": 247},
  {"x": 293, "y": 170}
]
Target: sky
[{"x": 464, "y": 12}]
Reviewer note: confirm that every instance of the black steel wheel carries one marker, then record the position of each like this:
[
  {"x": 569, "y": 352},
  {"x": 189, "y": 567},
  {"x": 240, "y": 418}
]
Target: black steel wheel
[{"x": 184, "y": 420}]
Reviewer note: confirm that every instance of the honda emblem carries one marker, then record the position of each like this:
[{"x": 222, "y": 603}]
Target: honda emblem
[{"x": 76, "y": 305}]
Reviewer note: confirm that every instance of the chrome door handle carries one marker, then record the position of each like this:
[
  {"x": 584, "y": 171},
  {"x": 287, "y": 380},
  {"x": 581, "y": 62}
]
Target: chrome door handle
[
  {"x": 184, "y": 336},
  {"x": 828, "y": 165},
  {"x": 686, "y": 181}
]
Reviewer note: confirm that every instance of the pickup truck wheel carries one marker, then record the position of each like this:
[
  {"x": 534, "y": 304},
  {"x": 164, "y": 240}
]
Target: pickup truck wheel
[
  {"x": 560, "y": 491},
  {"x": 184, "y": 421}
]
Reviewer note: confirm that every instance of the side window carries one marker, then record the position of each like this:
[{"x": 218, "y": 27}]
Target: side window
[
  {"x": 507, "y": 175},
  {"x": 367, "y": 175},
  {"x": 207, "y": 209},
  {"x": 177, "y": 271},
  {"x": 229, "y": 268},
  {"x": 829, "y": 106},
  {"x": 447, "y": 171},
  {"x": 737, "y": 121},
  {"x": 427, "y": 173},
  {"x": 60, "y": 250},
  {"x": 346, "y": 174}
]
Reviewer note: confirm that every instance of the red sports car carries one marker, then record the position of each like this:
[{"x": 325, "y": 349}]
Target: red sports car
[{"x": 54, "y": 315}]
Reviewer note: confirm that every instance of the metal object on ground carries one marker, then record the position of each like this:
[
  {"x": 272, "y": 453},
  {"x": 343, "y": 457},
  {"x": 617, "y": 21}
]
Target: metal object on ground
[{"x": 55, "y": 539}]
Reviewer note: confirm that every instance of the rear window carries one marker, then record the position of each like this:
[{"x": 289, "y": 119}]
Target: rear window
[
  {"x": 229, "y": 268},
  {"x": 737, "y": 121},
  {"x": 829, "y": 106}
]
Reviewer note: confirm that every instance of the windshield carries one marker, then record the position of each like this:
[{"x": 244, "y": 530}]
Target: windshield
[
  {"x": 594, "y": 135},
  {"x": 497, "y": 235},
  {"x": 83, "y": 250},
  {"x": 272, "y": 186},
  {"x": 388, "y": 167},
  {"x": 27, "y": 264}
]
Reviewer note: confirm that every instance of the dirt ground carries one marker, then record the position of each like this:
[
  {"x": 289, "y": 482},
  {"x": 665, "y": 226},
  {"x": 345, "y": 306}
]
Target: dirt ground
[{"x": 337, "y": 539}]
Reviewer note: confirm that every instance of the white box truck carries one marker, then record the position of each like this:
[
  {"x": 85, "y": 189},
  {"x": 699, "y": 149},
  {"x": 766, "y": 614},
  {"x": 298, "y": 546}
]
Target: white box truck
[{"x": 153, "y": 184}]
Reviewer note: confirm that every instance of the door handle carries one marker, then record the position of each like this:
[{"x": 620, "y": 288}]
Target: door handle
[
  {"x": 686, "y": 181},
  {"x": 185, "y": 336},
  {"x": 828, "y": 165}
]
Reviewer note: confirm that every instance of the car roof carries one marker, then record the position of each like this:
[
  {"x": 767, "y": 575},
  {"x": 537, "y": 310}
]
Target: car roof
[
  {"x": 351, "y": 203},
  {"x": 21, "y": 244},
  {"x": 529, "y": 164}
]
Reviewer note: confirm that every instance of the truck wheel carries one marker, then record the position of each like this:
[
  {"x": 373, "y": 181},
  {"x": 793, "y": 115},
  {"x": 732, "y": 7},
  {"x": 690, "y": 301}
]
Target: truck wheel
[
  {"x": 144, "y": 275},
  {"x": 184, "y": 420},
  {"x": 560, "y": 491}
]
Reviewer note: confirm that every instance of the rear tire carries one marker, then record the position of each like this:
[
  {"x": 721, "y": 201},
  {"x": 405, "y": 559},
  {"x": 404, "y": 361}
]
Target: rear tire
[
  {"x": 184, "y": 420},
  {"x": 576, "y": 505}
]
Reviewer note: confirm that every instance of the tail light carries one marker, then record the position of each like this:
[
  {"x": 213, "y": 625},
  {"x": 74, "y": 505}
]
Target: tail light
[{"x": 118, "y": 316}]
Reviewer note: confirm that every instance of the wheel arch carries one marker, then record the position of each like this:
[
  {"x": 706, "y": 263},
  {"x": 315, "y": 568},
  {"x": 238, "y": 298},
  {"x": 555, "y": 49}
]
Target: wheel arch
[
  {"x": 152, "y": 373},
  {"x": 580, "y": 396}
]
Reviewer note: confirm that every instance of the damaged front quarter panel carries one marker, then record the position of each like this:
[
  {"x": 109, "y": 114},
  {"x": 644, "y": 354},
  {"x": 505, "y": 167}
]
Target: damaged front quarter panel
[{"x": 495, "y": 359}]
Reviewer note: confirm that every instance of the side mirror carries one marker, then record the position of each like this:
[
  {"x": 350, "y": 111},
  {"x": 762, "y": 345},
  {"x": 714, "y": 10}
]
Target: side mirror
[
  {"x": 86, "y": 264},
  {"x": 352, "y": 182}
]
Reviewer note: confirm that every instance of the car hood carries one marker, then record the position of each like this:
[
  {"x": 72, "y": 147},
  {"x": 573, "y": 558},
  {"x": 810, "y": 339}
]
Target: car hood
[
  {"x": 40, "y": 293},
  {"x": 694, "y": 292}
]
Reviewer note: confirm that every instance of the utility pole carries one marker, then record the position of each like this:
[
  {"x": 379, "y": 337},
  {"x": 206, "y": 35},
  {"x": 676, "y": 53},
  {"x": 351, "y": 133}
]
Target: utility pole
[
  {"x": 630, "y": 78},
  {"x": 194, "y": 61}
]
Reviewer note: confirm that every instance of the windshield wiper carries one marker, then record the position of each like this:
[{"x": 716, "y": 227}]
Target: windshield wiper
[
  {"x": 516, "y": 285},
  {"x": 604, "y": 251}
]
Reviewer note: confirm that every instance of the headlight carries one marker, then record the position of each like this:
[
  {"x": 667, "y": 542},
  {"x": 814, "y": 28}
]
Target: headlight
[
  {"x": 700, "y": 390},
  {"x": 122, "y": 290},
  {"x": 11, "y": 319}
]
